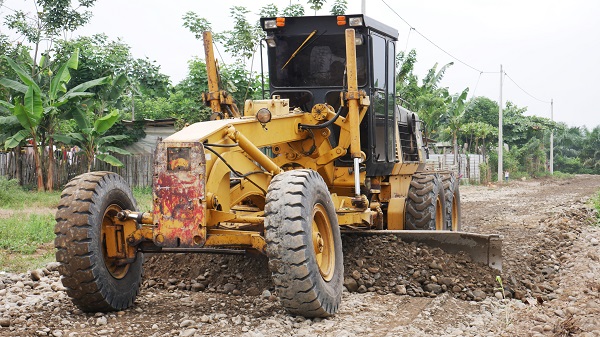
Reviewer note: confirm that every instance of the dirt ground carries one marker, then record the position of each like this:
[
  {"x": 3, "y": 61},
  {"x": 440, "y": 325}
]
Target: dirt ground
[{"x": 550, "y": 282}]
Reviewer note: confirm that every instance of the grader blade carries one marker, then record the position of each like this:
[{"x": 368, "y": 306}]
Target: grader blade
[{"x": 482, "y": 248}]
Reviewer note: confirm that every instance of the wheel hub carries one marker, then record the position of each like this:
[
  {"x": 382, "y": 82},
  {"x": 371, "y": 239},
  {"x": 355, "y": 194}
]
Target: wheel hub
[
  {"x": 320, "y": 244},
  {"x": 323, "y": 245},
  {"x": 113, "y": 243}
]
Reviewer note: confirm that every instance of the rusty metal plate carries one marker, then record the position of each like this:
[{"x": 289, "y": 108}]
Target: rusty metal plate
[{"x": 178, "y": 191}]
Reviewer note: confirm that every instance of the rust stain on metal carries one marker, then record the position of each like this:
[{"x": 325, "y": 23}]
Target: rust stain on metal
[{"x": 178, "y": 193}]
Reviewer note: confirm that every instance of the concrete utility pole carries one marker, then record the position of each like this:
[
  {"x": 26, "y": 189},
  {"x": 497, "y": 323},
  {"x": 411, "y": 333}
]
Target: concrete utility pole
[
  {"x": 363, "y": 7},
  {"x": 500, "y": 141},
  {"x": 552, "y": 138}
]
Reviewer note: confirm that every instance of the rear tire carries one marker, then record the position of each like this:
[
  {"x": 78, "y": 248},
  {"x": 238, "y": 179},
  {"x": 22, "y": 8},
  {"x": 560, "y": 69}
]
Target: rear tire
[
  {"x": 304, "y": 244},
  {"x": 93, "y": 281},
  {"x": 425, "y": 203},
  {"x": 452, "y": 212}
]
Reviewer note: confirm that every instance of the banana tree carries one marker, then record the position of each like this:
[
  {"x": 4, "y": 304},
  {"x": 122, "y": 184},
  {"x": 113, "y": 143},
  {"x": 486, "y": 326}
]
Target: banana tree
[
  {"x": 10, "y": 126},
  {"x": 42, "y": 107},
  {"x": 432, "y": 100},
  {"x": 454, "y": 118},
  {"x": 91, "y": 138},
  {"x": 29, "y": 111}
]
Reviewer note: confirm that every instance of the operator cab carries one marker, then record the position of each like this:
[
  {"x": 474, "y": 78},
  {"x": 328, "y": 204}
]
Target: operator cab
[{"x": 307, "y": 58}]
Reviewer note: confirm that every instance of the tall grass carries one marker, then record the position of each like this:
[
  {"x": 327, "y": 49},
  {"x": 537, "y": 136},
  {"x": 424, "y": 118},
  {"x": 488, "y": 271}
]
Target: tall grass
[{"x": 13, "y": 196}]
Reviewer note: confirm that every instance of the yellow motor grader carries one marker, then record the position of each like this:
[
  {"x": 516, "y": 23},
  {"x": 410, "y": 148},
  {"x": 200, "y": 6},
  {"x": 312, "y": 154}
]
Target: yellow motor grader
[{"x": 328, "y": 152}]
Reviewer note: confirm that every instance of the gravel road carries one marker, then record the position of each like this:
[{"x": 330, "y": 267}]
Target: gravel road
[{"x": 551, "y": 282}]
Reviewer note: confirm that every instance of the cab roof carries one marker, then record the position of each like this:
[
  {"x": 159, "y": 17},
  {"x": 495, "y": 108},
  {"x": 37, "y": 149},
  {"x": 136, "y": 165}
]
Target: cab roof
[{"x": 300, "y": 24}]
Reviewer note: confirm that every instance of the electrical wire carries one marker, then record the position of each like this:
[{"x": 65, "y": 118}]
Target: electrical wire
[
  {"x": 14, "y": 10},
  {"x": 407, "y": 39},
  {"x": 476, "y": 84},
  {"x": 236, "y": 172},
  {"x": 428, "y": 40},
  {"x": 251, "y": 71},
  {"x": 523, "y": 90},
  {"x": 219, "y": 52},
  {"x": 322, "y": 125},
  {"x": 457, "y": 59}
]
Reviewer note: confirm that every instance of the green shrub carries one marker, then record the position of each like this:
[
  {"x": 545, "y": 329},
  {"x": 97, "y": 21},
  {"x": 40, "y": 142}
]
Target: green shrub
[
  {"x": 542, "y": 174},
  {"x": 562, "y": 175}
]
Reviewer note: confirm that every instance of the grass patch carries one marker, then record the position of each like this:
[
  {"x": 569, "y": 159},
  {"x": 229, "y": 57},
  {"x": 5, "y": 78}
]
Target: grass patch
[
  {"x": 143, "y": 196},
  {"x": 25, "y": 233},
  {"x": 26, "y": 241},
  {"x": 19, "y": 263},
  {"x": 595, "y": 202},
  {"x": 13, "y": 196},
  {"x": 561, "y": 175}
]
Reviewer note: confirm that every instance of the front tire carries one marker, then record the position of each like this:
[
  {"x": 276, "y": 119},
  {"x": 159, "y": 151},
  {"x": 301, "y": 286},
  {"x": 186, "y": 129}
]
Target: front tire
[
  {"x": 304, "y": 244},
  {"x": 93, "y": 280}
]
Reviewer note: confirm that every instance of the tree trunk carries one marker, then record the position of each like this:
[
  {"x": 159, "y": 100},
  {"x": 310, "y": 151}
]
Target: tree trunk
[
  {"x": 89, "y": 162},
  {"x": 483, "y": 150},
  {"x": 470, "y": 147},
  {"x": 50, "y": 180},
  {"x": 43, "y": 156},
  {"x": 18, "y": 164},
  {"x": 38, "y": 166},
  {"x": 455, "y": 145}
]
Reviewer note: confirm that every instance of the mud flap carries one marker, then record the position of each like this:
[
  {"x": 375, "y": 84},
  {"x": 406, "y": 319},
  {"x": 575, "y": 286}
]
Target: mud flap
[{"x": 482, "y": 248}]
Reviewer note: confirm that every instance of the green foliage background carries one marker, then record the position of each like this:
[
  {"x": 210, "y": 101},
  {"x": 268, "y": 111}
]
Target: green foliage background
[{"x": 471, "y": 125}]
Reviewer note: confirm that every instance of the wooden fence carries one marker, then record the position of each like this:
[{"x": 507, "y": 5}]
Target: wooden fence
[{"x": 137, "y": 169}]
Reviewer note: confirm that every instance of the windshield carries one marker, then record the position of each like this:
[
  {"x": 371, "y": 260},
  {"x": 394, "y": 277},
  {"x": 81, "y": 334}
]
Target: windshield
[{"x": 320, "y": 62}]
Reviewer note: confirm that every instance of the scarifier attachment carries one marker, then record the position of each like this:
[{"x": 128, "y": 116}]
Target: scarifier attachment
[{"x": 178, "y": 192}]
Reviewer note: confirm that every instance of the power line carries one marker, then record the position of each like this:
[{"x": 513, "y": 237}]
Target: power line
[
  {"x": 530, "y": 95},
  {"x": 476, "y": 84},
  {"x": 5, "y": 6},
  {"x": 407, "y": 39},
  {"x": 455, "y": 58},
  {"x": 428, "y": 40}
]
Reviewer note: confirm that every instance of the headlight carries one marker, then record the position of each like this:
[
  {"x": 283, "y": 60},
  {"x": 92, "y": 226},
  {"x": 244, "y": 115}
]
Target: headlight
[
  {"x": 270, "y": 41},
  {"x": 358, "y": 40},
  {"x": 270, "y": 24},
  {"x": 263, "y": 115},
  {"x": 355, "y": 21}
]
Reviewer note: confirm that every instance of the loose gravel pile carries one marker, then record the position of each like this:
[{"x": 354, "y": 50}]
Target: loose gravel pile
[
  {"x": 387, "y": 265},
  {"x": 381, "y": 264},
  {"x": 539, "y": 251}
]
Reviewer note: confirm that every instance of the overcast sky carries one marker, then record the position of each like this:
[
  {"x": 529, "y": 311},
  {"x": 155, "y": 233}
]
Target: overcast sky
[{"x": 550, "y": 48}]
